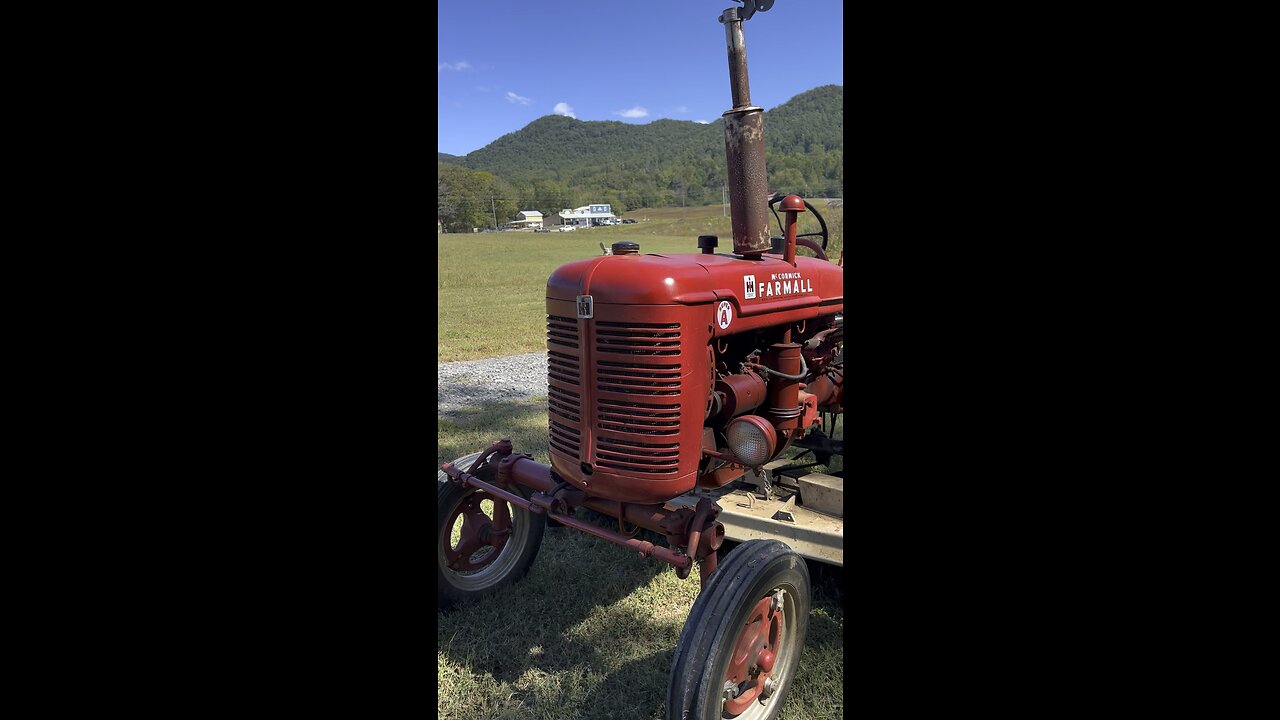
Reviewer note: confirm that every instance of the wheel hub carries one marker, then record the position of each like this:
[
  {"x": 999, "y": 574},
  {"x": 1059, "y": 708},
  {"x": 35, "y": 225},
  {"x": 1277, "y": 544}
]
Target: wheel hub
[
  {"x": 479, "y": 531},
  {"x": 749, "y": 676}
]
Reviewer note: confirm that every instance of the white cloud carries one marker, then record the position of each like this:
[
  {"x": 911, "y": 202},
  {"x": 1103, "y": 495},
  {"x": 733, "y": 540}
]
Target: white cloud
[
  {"x": 514, "y": 98},
  {"x": 463, "y": 65},
  {"x": 635, "y": 112},
  {"x": 565, "y": 110},
  {"x": 680, "y": 109},
  {"x": 703, "y": 122}
]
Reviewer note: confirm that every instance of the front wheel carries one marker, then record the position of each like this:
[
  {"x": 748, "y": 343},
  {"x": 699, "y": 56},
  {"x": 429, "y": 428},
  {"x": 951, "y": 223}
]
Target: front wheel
[
  {"x": 740, "y": 647},
  {"x": 483, "y": 543}
]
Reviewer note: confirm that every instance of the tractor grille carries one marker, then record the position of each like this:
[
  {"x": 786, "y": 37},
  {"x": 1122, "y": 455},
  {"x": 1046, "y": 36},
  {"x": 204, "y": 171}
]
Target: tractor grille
[
  {"x": 562, "y": 331},
  {"x": 638, "y": 338},
  {"x": 637, "y": 400},
  {"x": 564, "y": 371},
  {"x": 563, "y": 367},
  {"x": 622, "y": 381},
  {"x": 651, "y": 458},
  {"x": 563, "y": 438}
]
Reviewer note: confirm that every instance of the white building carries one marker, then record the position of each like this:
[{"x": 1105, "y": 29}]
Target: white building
[
  {"x": 587, "y": 215},
  {"x": 526, "y": 219}
]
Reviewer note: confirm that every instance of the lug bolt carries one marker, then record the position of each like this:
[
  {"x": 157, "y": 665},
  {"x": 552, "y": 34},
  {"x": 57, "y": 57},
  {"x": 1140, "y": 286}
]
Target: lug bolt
[{"x": 769, "y": 687}]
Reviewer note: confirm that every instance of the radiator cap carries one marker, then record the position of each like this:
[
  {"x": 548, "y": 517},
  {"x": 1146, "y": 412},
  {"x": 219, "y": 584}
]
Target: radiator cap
[{"x": 626, "y": 247}]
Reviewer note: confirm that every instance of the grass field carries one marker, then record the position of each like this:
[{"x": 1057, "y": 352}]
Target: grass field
[
  {"x": 492, "y": 286},
  {"x": 590, "y": 631}
]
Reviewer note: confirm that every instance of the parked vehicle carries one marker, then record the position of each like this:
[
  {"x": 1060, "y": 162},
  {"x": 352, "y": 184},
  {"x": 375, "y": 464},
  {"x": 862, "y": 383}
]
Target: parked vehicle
[
  {"x": 542, "y": 229},
  {"x": 628, "y": 221},
  {"x": 565, "y": 228}
]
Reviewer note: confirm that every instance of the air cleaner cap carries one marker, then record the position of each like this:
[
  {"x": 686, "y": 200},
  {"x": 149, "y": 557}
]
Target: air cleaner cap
[
  {"x": 793, "y": 203},
  {"x": 626, "y": 247}
]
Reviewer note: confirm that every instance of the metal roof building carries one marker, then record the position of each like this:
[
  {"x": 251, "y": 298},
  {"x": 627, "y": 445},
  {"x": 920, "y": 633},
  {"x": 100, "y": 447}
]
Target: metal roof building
[{"x": 587, "y": 215}]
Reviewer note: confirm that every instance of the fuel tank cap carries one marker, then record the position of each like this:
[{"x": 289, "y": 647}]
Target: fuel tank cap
[{"x": 626, "y": 247}]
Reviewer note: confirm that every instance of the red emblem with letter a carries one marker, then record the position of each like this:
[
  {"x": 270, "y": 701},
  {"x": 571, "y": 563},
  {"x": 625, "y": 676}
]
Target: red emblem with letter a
[{"x": 724, "y": 314}]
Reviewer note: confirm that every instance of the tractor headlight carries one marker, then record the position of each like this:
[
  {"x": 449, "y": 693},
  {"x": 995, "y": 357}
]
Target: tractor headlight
[{"x": 752, "y": 439}]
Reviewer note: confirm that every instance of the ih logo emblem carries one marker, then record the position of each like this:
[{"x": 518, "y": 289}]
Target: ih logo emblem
[
  {"x": 749, "y": 286},
  {"x": 724, "y": 315},
  {"x": 584, "y": 306}
]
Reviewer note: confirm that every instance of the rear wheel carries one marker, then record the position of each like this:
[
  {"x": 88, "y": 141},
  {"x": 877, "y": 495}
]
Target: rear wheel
[
  {"x": 483, "y": 543},
  {"x": 740, "y": 647}
]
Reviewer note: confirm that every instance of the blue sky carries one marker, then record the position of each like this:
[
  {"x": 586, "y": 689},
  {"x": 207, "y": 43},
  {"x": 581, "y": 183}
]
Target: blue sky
[{"x": 502, "y": 64}]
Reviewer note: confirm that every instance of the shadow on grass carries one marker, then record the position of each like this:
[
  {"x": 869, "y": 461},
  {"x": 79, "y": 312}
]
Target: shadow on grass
[
  {"x": 635, "y": 691},
  {"x": 563, "y": 629}
]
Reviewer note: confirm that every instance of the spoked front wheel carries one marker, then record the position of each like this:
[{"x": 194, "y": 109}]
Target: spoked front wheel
[
  {"x": 740, "y": 647},
  {"x": 483, "y": 543}
]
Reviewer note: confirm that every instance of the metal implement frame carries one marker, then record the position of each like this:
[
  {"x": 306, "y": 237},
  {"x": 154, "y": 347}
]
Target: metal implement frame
[
  {"x": 751, "y": 514},
  {"x": 694, "y": 528}
]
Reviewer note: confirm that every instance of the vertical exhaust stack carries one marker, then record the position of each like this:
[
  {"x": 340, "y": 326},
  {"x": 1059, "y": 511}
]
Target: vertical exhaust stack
[{"x": 744, "y": 142}]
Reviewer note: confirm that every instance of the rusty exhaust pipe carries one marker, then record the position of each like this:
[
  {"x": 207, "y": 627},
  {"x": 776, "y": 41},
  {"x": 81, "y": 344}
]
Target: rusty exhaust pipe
[{"x": 744, "y": 146}]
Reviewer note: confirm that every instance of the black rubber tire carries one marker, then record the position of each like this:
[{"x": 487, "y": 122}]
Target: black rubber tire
[
  {"x": 695, "y": 685},
  {"x": 524, "y": 542}
]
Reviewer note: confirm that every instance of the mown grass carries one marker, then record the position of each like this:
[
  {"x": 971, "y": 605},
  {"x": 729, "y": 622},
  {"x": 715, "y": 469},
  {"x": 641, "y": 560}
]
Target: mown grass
[
  {"x": 491, "y": 287},
  {"x": 590, "y": 631}
]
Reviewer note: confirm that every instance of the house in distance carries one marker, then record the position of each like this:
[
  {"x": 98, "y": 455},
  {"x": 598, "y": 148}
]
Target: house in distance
[
  {"x": 526, "y": 219},
  {"x": 588, "y": 215}
]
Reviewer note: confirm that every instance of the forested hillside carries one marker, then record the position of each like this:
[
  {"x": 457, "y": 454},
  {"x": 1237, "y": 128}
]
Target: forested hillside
[{"x": 557, "y": 162}]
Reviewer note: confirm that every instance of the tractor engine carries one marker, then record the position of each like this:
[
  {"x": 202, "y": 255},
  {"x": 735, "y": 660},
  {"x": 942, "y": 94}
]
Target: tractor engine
[{"x": 666, "y": 372}]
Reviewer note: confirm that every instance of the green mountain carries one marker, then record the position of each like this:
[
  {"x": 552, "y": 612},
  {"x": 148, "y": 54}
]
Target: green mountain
[{"x": 556, "y": 162}]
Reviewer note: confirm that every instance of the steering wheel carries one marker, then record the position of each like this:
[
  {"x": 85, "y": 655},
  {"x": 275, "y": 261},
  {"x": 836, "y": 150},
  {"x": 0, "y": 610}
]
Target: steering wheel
[{"x": 777, "y": 198}]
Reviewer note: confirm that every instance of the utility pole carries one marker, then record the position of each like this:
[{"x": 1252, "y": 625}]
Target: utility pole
[{"x": 494, "y": 211}]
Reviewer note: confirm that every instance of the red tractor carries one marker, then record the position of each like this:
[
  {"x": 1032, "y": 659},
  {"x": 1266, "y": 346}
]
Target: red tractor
[{"x": 676, "y": 383}]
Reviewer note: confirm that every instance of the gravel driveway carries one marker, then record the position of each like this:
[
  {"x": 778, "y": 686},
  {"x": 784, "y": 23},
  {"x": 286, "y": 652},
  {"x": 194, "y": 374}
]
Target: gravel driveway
[{"x": 502, "y": 379}]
